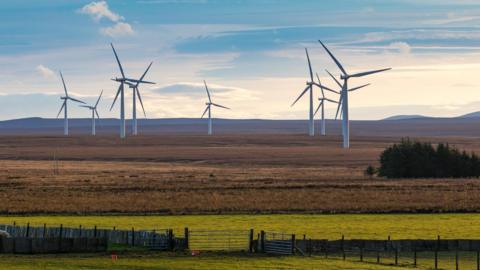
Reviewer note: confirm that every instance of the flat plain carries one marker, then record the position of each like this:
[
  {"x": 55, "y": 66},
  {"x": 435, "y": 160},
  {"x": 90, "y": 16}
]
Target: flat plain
[{"x": 197, "y": 174}]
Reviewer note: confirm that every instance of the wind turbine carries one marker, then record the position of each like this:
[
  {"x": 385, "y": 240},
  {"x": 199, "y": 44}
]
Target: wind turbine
[
  {"x": 121, "y": 92},
  {"x": 135, "y": 92},
  {"x": 344, "y": 94},
  {"x": 321, "y": 105},
  {"x": 309, "y": 87},
  {"x": 94, "y": 112},
  {"x": 65, "y": 106},
  {"x": 209, "y": 109}
]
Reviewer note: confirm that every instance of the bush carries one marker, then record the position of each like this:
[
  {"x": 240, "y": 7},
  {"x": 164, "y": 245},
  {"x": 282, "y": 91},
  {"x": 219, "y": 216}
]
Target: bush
[
  {"x": 422, "y": 160},
  {"x": 370, "y": 171}
]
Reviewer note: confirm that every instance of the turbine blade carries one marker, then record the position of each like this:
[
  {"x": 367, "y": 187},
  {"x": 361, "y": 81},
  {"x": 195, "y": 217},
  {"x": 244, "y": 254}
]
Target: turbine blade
[
  {"x": 116, "y": 96},
  {"x": 361, "y": 74},
  {"x": 331, "y": 100},
  {"x": 98, "y": 100},
  {"x": 64, "y": 86},
  {"x": 309, "y": 65},
  {"x": 118, "y": 61},
  {"x": 218, "y": 105},
  {"x": 334, "y": 59},
  {"x": 61, "y": 108},
  {"x": 320, "y": 85},
  {"x": 138, "y": 81},
  {"x": 318, "y": 108},
  {"x": 204, "y": 112},
  {"x": 338, "y": 107},
  {"x": 96, "y": 112},
  {"x": 145, "y": 73},
  {"x": 141, "y": 102},
  {"x": 335, "y": 79},
  {"x": 85, "y": 106},
  {"x": 76, "y": 100},
  {"x": 358, "y": 87},
  {"x": 303, "y": 93},
  {"x": 208, "y": 92},
  {"x": 330, "y": 89}
]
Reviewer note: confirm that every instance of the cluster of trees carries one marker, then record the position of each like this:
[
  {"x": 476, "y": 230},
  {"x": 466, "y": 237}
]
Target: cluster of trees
[{"x": 422, "y": 160}]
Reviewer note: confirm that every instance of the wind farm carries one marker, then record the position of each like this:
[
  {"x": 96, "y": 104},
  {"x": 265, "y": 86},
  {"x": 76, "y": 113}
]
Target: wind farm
[{"x": 239, "y": 135}]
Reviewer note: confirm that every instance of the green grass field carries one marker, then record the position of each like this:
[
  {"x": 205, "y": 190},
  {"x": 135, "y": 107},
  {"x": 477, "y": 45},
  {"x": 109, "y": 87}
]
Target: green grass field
[
  {"x": 314, "y": 226},
  {"x": 150, "y": 261},
  {"x": 406, "y": 226}
]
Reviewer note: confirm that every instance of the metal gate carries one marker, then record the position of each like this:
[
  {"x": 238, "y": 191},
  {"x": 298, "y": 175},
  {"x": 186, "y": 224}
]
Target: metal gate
[
  {"x": 220, "y": 240},
  {"x": 278, "y": 243}
]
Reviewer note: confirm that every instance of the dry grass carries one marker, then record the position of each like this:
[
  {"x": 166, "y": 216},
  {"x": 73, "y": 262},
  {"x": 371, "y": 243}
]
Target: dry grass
[{"x": 221, "y": 174}]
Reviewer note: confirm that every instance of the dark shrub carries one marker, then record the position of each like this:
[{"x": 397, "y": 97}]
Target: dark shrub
[{"x": 422, "y": 160}]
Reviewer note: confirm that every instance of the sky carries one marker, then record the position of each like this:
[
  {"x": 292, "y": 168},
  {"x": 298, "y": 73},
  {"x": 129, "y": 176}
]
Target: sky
[{"x": 250, "y": 52}]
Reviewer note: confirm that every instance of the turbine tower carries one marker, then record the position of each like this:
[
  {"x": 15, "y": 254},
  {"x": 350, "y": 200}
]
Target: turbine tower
[
  {"x": 121, "y": 92},
  {"x": 344, "y": 94},
  {"x": 65, "y": 106},
  {"x": 311, "y": 130},
  {"x": 135, "y": 93},
  {"x": 94, "y": 112},
  {"x": 321, "y": 105},
  {"x": 209, "y": 109}
]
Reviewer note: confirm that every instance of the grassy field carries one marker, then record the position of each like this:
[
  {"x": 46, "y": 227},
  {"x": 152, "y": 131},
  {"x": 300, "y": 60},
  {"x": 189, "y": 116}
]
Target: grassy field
[
  {"x": 367, "y": 226},
  {"x": 223, "y": 174},
  {"x": 149, "y": 261}
]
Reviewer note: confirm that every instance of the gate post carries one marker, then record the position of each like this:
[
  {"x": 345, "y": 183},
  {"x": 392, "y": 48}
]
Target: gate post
[
  {"x": 293, "y": 243},
  {"x": 187, "y": 244},
  {"x": 262, "y": 240},
  {"x": 250, "y": 240}
]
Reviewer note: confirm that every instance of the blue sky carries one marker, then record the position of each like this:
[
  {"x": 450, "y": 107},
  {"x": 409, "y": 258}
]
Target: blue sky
[{"x": 250, "y": 52}]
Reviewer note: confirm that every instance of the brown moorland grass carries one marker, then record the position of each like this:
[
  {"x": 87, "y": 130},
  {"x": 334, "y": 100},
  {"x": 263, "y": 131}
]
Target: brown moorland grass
[{"x": 180, "y": 174}]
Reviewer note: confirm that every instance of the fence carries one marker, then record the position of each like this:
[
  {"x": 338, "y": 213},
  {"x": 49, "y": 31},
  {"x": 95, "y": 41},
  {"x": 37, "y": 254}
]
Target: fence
[
  {"x": 155, "y": 239},
  {"x": 51, "y": 245},
  {"x": 220, "y": 240},
  {"x": 277, "y": 243},
  {"x": 434, "y": 253}
]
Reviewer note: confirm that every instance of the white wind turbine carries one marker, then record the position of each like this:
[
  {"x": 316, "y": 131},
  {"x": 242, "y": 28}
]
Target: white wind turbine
[
  {"x": 321, "y": 105},
  {"x": 311, "y": 130},
  {"x": 209, "y": 109},
  {"x": 121, "y": 92},
  {"x": 65, "y": 106},
  {"x": 94, "y": 112},
  {"x": 135, "y": 93},
  {"x": 344, "y": 94}
]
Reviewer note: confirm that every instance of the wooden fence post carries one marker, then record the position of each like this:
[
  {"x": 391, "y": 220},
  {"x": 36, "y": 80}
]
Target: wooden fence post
[
  {"x": 262, "y": 240},
  {"x": 361, "y": 254},
  {"x": 250, "y": 240},
  {"x": 456, "y": 259},
  {"x": 187, "y": 244},
  {"x": 436, "y": 252},
  {"x": 44, "y": 230},
  {"x": 343, "y": 247},
  {"x": 396, "y": 255},
  {"x": 293, "y": 243},
  {"x": 27, "y": 233},
  {"x": 478, "y": 260},
  {"x": 95, "y": 231},
  {"x": 378, "y": 256},
  {"x": 80, "y": 231},
  {"x": 415, "y": 256},
  {"x": 133, "y": 236}
]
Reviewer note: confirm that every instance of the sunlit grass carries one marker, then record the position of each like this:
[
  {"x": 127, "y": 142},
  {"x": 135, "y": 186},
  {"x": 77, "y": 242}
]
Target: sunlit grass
[{"x": 367, "y": 226}]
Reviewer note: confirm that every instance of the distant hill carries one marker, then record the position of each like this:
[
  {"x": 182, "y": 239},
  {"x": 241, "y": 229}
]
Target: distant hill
[
  {"x": 471, "y": 115},
  {"x": 405, "y": 117}
]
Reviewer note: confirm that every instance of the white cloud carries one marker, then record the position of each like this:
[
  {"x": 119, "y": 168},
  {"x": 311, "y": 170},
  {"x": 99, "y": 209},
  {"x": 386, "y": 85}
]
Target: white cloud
[
  {"x": 401, "y": 47},
  {"x": 120, "y": 29},
  {"x": 99, "y": 10},
  {"x": 45, "y": 72}
]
